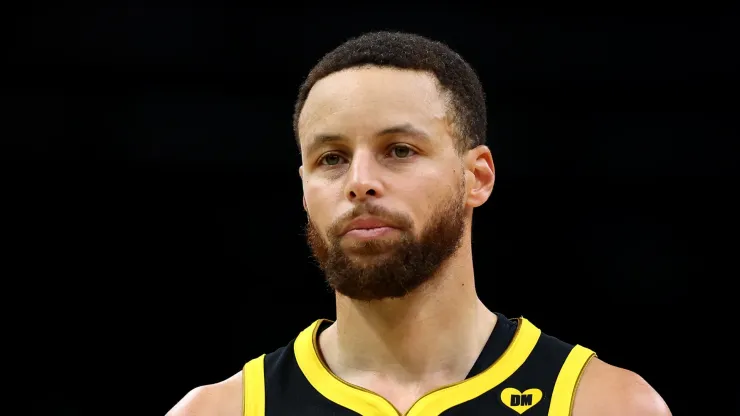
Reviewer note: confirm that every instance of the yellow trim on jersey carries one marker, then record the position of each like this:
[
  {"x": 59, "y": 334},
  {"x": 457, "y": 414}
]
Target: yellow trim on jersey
[
  {"x": 515, "y": 355},
  {"x": 566, "y": 384},
  {"x": 329, "y": 385},
  {"x": 253, "y": 380},
  {"x": 368, "y": 403}
]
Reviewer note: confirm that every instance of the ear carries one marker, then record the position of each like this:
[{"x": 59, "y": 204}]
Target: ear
[{"x": 480, "y": 175}]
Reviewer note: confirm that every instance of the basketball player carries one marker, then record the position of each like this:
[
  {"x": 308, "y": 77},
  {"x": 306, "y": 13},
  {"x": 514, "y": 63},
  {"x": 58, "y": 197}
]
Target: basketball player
[{"x": 392, "y": 131}]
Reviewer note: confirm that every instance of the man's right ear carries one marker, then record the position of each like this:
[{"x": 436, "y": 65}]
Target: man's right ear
[{"x": 304, "y": 204}]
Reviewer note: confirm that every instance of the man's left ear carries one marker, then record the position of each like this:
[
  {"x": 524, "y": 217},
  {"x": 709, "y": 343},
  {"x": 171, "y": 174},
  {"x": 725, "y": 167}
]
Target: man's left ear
[{"x": 480, "y": 175}]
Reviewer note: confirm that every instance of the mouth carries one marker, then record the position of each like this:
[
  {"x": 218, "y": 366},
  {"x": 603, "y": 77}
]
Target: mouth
[
  {"x": 365, "y": 228},
  {"x": 369, "y": 233}
]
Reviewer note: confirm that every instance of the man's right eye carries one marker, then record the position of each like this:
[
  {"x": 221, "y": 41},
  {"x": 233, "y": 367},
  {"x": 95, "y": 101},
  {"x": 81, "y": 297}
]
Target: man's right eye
[{"x": 331, "y": 159}]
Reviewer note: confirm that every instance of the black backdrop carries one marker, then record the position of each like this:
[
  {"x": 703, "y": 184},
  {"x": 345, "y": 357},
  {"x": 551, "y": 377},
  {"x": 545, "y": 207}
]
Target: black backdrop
[{"x": 155, "y": 219}]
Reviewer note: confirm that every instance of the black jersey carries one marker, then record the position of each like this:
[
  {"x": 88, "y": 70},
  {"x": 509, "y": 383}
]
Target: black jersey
[{"x": 520, "y": 370}]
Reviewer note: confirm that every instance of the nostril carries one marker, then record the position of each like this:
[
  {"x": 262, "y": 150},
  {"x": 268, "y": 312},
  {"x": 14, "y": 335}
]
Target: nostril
[{"x": 371, "y": 192}]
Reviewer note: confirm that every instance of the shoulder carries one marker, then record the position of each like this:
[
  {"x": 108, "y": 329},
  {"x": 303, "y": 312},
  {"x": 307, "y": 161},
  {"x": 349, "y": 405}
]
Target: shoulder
[
  {"x": 606, "y": 390},
  {"x": 219, "y": 399}
]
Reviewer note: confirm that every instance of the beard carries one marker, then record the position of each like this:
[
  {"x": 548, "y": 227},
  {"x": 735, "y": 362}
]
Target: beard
[{"x": 388, "y": 268}]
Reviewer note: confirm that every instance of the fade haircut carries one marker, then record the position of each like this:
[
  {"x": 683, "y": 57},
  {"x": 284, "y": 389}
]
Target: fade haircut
[{"x": 457, "y": 79}]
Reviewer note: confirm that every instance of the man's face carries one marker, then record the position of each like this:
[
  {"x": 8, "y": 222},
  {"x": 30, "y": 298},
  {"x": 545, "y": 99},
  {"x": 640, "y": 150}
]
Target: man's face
[{"x": 384, "y": 188}]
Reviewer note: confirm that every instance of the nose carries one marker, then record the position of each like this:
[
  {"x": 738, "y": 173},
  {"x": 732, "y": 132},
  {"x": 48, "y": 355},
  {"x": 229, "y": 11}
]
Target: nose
[{"x": 363, "y": 180}]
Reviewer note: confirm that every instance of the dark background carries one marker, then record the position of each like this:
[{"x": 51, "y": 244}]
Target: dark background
[{"x": 153, "y": 202}]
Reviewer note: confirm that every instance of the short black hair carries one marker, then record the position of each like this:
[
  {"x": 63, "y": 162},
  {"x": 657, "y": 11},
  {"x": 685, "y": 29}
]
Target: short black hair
[{"x": 413, "y": 52}]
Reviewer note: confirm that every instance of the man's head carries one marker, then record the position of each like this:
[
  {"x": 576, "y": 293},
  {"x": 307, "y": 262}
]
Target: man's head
[{"x": 391, "y": 129}]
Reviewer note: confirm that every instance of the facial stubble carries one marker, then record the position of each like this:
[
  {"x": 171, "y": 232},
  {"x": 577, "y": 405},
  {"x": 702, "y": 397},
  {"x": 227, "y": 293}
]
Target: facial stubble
[{"x": 382, "y": 269}]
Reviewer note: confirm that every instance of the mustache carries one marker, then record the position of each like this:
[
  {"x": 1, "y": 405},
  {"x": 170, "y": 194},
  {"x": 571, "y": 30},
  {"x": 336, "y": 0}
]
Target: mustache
[{"x": 395, "y": 219}]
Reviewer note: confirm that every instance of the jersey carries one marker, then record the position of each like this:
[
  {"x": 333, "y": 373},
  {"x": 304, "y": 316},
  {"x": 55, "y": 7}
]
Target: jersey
[{"x": 519, "y": 371}]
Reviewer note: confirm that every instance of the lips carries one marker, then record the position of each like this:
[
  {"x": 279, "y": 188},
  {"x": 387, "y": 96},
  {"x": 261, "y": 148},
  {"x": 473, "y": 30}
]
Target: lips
[{"x": 366, "y": 223}]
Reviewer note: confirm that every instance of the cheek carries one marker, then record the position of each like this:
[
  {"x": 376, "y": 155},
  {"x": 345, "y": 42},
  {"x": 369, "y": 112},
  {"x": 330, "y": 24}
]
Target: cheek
[
  {"x": 320, "y": 201},
  {"x": 423, "y": 194}
]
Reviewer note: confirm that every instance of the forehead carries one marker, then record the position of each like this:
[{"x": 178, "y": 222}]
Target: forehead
[{"x": 361, "y": 99}]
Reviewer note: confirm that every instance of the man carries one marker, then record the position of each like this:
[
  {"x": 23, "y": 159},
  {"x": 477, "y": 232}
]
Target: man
[{"x": 391, "y": 129}]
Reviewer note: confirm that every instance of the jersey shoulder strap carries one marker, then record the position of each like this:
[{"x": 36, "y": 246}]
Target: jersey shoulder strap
[
  {"x": 567, "y": 382},
  {"x": 253, "y": 384}
]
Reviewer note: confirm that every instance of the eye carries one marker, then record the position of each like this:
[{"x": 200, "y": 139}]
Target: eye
[
  {"x": 401, "y": 151},
  {"x": 331, "y": 159}
]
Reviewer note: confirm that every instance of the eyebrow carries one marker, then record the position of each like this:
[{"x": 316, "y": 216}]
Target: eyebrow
[{"x": 406, "y": 128}]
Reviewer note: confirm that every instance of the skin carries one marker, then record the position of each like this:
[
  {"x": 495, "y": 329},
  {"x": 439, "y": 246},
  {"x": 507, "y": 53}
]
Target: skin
[{"x": 402, "y": 348}]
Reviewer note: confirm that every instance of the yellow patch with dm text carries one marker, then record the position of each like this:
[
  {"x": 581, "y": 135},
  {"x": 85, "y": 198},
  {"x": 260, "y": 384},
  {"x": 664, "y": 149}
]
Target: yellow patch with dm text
[{"x": 519, "y": 401}]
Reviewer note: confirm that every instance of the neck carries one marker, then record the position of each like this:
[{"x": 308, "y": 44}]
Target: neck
[{"x": 437, "y": 331}]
